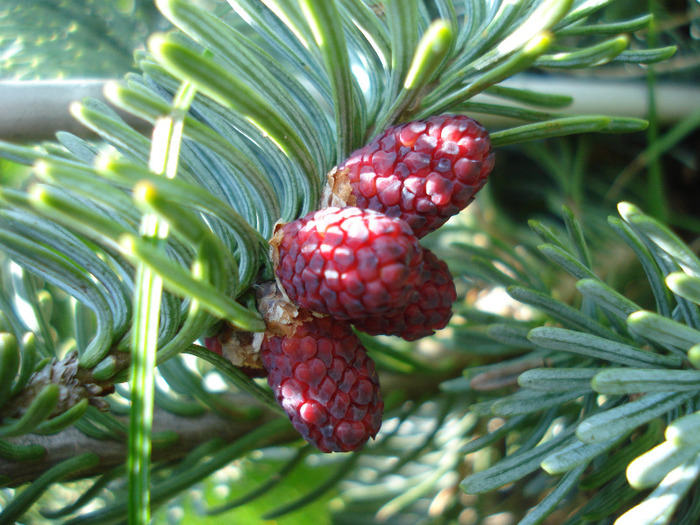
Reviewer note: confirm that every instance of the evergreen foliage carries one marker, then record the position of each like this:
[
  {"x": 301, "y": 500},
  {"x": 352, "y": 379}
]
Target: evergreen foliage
[{"x": 120, "y": 254}]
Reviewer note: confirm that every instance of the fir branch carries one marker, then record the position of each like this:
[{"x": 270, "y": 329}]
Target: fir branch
[
  {"x": 190, "y": 431},
  {"x": 76, "y": 383},
  {"x": 273, "y": 95}
]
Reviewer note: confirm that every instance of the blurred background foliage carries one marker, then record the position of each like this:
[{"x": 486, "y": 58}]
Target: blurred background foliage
[
  {"x": 54, "y": 39},
  {"x": 500, "y": 391}
]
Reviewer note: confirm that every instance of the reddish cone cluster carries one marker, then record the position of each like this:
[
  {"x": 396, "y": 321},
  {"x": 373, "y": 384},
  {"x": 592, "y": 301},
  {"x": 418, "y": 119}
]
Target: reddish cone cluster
[
  {"x": 429, "y": 309},
  {"x": 348, "y": 262},
  {"x": 326, "y": 383},
  {"x": 422, "y": 172},
  {"x": 359, "y": 261}
]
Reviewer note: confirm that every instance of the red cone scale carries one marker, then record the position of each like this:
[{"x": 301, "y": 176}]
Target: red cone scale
[
  {"x": 326, "y": 384},
  {"x": 429, "y": 310},
  {"x": 348, "y": 262},
  {"x": 213, "y": 344},
  {"x": 422, "y": 172}
]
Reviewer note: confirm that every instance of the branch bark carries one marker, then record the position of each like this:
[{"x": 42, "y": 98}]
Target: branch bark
[
  {"x": 191, "y": 431},
  {"x": 75, "y": 384}
]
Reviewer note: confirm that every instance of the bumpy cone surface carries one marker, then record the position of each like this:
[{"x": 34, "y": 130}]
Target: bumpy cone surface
[
  {"x": 430, "y": 308},
  {"x": 348, "y": 262},
  {"x": 422, "y": 172},
  {"x": 326, "y": 383}
]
